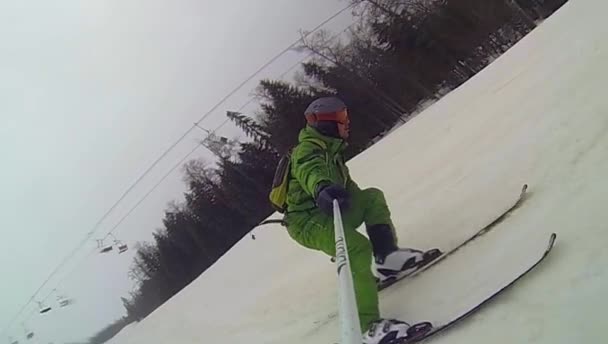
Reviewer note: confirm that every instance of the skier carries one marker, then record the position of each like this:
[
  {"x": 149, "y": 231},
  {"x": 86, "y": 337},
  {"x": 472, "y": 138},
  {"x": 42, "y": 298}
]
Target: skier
[{"x": 317, "y": 176}]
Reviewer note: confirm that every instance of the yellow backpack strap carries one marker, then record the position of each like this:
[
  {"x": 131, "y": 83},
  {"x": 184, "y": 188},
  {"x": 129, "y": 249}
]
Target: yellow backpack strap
[{"x": 280, "y": 184}]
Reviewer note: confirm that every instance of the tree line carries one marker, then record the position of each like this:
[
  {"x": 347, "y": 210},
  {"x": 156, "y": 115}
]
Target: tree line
[{"x": 398, "y": 56}]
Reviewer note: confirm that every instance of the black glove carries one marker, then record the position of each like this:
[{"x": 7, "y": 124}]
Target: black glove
[{"x": 327, "y": 193}]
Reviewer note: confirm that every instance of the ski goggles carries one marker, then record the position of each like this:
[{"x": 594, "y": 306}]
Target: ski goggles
[{"x": 339, "y": 116}]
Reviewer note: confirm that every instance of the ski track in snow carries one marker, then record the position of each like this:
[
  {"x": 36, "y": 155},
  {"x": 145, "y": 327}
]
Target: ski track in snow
[{"x": 537, "y": 115}]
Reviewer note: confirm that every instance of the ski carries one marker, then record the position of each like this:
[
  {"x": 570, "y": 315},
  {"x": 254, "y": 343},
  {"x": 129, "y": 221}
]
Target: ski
[
  {"x": 438, "y": 258},
  {"x": 426, "y": 330}
]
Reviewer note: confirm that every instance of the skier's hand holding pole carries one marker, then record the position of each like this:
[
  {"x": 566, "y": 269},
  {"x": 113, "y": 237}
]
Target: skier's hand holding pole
[{"x": 327, "y": 193}]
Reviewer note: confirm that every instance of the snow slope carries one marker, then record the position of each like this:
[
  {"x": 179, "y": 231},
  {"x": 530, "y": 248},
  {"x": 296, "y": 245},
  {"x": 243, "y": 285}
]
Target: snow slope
[{"x": 537, "y": 115}]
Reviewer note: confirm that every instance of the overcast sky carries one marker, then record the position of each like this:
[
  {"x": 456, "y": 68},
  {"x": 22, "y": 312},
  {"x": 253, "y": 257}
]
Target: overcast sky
[{"x": 91, "y": 93}]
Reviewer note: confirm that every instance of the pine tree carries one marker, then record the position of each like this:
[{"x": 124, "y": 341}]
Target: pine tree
[{"x": 251, "y": 128}]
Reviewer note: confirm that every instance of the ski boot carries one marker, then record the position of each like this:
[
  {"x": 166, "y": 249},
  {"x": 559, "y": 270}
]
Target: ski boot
[
  {"x": 391, "y": 331},
  {"x": 401, "y": 262}
]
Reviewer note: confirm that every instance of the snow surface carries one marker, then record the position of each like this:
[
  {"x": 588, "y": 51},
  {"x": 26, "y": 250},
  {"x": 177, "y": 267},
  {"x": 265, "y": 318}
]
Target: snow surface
[{"x": 536, "y": 115}]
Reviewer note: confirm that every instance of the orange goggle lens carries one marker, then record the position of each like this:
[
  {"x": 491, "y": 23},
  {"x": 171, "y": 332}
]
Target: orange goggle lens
[{"x": 340, "y": 117}]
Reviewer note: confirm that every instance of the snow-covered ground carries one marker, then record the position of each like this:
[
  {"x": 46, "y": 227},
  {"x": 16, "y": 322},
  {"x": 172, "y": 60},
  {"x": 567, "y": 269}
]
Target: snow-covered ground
[{"x": 536, "y": 115}]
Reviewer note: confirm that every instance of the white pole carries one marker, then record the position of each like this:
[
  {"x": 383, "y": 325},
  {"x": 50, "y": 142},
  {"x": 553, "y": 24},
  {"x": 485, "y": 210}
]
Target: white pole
[{"x": 349, "y": 316}]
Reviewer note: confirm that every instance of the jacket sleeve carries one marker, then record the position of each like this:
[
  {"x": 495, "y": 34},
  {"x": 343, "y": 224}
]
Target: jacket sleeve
[
  {"x": 352, "y": 187},
  {"x": 310, "y": 167}
]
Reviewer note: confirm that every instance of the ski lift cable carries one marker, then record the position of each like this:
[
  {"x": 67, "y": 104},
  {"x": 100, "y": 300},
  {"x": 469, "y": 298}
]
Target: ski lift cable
[
  {"x": 142, "y": 199},
  {"x": 34, "y": 311},
  {"x": 89, "y": 235},
  {"x": 252, "y": 99},
  {"x": 178, "y": 164},
  {"x": 197, "y": 124},
  {"x": 110, "y": 233},
  {"x": 210, "y": 111},
  {"x": 292, "y": 67},
  {"x": 60, "y": 282},
  {"x": 273, "y": 59},
  {"x": 162, "y": 156}
]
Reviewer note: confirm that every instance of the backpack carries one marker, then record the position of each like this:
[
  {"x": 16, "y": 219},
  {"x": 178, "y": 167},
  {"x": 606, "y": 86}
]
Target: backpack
[{"x": 280, "y": 182}]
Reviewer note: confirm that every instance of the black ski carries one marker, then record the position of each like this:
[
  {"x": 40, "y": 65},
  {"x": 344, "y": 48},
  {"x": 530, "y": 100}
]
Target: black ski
[
  {"x": 437, "y": 259},
  {"x": 427, "y": 331}
]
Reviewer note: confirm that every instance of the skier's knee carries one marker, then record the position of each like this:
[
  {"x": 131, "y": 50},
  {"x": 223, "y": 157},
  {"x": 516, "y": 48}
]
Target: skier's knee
[
  {"x": 360, "y": 252},
  {"x": 374, "y": 193},
  {"x": 361, "y": 246}
]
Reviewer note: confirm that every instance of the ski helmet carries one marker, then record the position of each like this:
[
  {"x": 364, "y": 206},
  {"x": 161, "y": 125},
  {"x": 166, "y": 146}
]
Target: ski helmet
[{"x": 326, "y": 109}]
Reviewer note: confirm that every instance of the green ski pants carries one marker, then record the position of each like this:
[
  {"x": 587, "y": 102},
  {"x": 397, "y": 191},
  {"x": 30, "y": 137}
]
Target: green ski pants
[{"x": 315, "y": 230}]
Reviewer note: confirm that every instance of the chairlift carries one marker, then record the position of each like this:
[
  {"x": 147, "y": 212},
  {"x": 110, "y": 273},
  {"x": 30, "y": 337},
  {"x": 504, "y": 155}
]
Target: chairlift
[
  {"x": 28, "y": 334},
  {"x": 64, "y": 301},
  {"x": 44, "y": 309},
  {"x": 102, "y": 247},
  {"x": 122, "y": 247}
]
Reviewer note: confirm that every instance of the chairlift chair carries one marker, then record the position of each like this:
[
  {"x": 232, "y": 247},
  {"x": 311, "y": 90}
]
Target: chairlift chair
[
  {"x": 44, "y": 309},
  {"x": 122, "y": 247},
  {"x": 63, "y": 301},
  {"x": 102, "y": 247},
  {"x": 106, "y": 249},
  {"x": 28, "y": 334}
]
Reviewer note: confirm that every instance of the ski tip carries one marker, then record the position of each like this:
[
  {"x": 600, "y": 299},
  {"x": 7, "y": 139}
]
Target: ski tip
[
  {"x": 552, "y": 239},
  {"x": 524, "y": 188}
]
